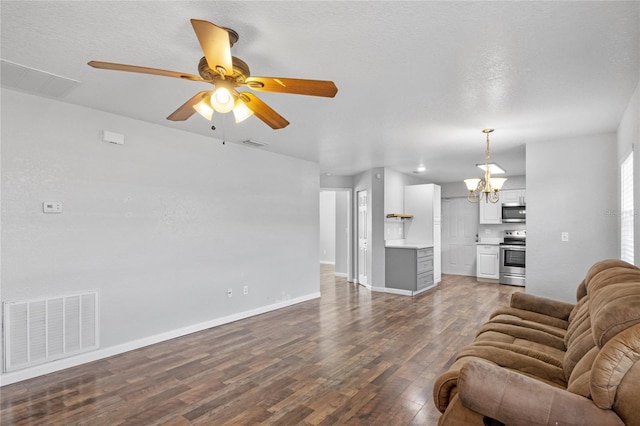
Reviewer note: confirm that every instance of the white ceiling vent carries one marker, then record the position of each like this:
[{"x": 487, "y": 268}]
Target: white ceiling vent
[
  {"x": 19, "y": 77},
  {"x": 254, "y": 143}
]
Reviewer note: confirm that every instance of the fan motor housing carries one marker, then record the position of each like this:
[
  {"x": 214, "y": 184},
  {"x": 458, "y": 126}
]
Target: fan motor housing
[{"x": 240, "y": 70}]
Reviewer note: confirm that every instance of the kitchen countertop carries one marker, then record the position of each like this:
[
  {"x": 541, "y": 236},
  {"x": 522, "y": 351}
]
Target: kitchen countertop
[
  {"x": 403, "y": 245},
  {"x": 490, "y": 241}
]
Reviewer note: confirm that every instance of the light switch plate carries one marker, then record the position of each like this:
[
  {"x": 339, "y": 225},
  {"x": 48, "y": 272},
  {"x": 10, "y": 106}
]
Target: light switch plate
[
  {"x": 565, "y": 236},
  {"x": 52, "y": 207}
]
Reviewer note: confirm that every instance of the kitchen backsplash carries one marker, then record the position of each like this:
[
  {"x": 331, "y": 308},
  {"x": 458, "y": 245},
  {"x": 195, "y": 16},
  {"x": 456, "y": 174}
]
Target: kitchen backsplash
[
  {"x": 393, "y": 230},
  {"x": 491, "y": 232}
]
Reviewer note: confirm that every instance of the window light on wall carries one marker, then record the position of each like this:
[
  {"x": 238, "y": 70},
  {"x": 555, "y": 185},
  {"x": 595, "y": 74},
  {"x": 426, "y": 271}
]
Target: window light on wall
[{"x": 626, "y": 209}]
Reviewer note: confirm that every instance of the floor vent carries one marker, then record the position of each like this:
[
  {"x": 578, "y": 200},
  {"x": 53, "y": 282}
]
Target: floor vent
[{"x": 40, "y": 331}]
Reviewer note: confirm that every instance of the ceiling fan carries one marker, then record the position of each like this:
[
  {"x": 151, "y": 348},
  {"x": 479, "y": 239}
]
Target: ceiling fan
[{"x": 227, "y": 73}]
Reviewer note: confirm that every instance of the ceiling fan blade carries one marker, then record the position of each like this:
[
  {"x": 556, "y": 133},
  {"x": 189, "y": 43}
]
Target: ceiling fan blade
[
  {"x": 263, "y": 111},
  {"x": 294, "y": 86},
  {"x": 186, "y": 110},
  {"x": 143, "y": 70},
  {"x": 214, "y": 41}
]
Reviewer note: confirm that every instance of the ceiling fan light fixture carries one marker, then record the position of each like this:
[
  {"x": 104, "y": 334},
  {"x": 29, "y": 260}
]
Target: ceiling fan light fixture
[
  {"x": 240, "y": 111},
  {"x": 222, "y": 99},
  {"x": 204, "y": 108}
]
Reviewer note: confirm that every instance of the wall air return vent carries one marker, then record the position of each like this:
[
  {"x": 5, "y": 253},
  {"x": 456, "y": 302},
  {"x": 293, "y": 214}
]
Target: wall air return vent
[
  {"x": 44, "y": 330},
  {"x": 30, "y": 80}
]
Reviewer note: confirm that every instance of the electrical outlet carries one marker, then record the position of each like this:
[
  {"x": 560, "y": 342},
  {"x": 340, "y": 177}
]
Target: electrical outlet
[
  {"x": 565, "y": 236},
  {"x": 245, "y": 290},
  {"x": 229, "y": 293}
]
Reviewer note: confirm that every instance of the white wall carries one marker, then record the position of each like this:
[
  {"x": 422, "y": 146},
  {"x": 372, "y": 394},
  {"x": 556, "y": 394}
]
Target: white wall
[
  {"x": 343, "y": 218},
  {"x": 332, "y": 181},
  {"x": 570, "y": 188},
  {"x": 161, "y": 226},
  {"x": 394, "y": 183},
  {"x": 328, "y": 227},
  {"x": 628, "y": 137}
]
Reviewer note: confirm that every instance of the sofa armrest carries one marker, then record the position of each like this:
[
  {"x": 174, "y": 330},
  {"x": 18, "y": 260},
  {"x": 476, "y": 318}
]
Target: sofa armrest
[
  {"x": 515, "y": 399},
  {"x": 541, "y": 305}
]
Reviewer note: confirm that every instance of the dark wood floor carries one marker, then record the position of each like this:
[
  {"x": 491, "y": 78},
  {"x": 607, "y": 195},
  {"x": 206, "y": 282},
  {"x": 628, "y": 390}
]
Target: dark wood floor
[{"x": 350, "y": 357}]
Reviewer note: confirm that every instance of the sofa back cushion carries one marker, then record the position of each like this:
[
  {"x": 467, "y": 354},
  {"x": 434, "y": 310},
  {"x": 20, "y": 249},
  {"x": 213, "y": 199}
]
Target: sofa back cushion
[
  {"x": 580, "y": 378},
  {"x": 613, "y": 309},
  {"x": 604, "y": 265},
  {"x": 612, "y": 276},
  {"x": 578, "y": 348},
  {"x": 579, "y": 315},
  {"x": 619, "y": 356}
]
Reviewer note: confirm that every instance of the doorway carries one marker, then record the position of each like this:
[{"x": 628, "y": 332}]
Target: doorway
[{"x": 335, "y": 230}]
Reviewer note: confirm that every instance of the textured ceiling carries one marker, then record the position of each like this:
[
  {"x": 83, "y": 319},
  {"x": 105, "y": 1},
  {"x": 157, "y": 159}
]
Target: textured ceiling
[{"x": 417, "y": 80}]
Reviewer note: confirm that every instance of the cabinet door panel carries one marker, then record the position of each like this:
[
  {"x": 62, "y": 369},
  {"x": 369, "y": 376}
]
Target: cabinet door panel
[
  {"x": 490, "y": 213},
  {"x": 488, "y": 264}
]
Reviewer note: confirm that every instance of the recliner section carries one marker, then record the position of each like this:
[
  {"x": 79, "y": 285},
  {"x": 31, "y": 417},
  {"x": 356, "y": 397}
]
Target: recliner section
[{"x": 585, "y": 354}]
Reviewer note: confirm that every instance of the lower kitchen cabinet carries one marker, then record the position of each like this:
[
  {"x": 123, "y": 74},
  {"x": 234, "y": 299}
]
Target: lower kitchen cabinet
[
  {"x": 487, "y": 261},
  {"x": 409, "y": 270}
]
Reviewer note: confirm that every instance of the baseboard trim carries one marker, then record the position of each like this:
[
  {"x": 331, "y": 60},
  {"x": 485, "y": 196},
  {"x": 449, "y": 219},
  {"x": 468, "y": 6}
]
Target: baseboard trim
[
  {"x": 402, "y": 292},
  {"x": 42, "y": 369},
  {"x": 340, "y": 274}
]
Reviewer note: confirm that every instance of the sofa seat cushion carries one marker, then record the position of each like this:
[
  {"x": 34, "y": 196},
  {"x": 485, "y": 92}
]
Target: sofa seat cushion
[
  {"x": 531, "y": 316},
  {"x": 515, "y": 320},
  {"x": 518, "y": 359},
  {"x": 545, "y": 353},
  {"x": 522, "y": 332}
]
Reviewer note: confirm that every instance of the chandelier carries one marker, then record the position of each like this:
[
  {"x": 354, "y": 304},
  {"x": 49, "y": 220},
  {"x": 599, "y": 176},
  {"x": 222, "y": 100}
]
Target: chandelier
[{"x": 489, "y": 187}]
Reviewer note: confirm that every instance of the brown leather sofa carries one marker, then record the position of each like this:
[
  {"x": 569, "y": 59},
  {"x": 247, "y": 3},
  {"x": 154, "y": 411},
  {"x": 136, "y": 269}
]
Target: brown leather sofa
[{"x": 545, "y": 362}]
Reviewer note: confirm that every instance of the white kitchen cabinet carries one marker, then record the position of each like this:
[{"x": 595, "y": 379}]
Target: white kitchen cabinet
[
  {"x": 424, "y": 203},
  {"x": 487, "y": 261},
  {"x": 515, "y": 196},
  {"x": 490, "y": 213}
]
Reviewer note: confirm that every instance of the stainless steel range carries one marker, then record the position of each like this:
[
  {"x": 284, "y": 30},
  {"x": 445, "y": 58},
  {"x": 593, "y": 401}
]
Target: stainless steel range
[{"x": 512, "y": 258}]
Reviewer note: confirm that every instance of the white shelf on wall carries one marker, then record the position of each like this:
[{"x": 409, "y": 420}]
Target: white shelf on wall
[{"x": 400, "y": 216}]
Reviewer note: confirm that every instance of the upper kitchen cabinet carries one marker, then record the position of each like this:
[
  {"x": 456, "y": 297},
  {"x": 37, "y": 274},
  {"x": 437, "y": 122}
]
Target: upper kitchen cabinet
[
  {"x": 490, "y": 213},
  {"x": 513, "y": 196},
  {"x": 424, "y": 203}
]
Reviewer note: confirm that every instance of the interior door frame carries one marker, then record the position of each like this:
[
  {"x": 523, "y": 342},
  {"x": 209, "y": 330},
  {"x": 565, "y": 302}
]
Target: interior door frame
[{"x": 357, "y": 237}]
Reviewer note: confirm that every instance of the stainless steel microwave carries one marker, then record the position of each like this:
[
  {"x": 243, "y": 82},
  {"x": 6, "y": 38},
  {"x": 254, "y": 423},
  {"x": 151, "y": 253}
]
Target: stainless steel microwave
[{"x": 514, "y": 213}]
